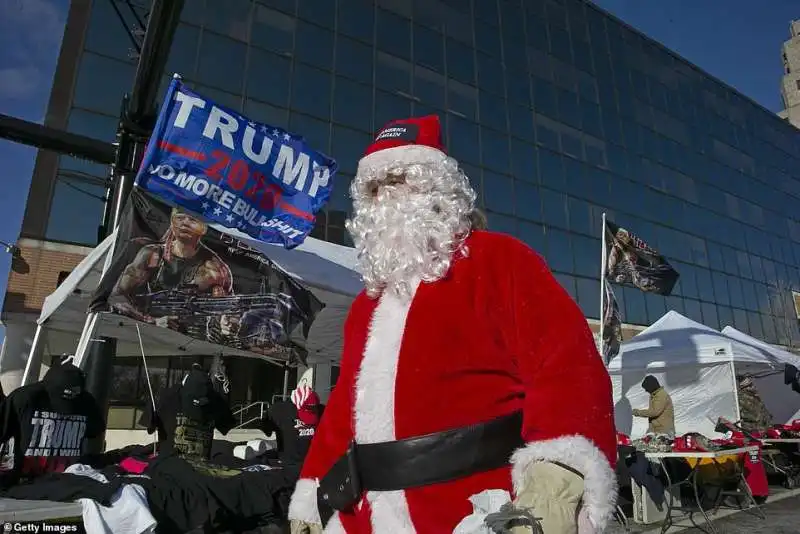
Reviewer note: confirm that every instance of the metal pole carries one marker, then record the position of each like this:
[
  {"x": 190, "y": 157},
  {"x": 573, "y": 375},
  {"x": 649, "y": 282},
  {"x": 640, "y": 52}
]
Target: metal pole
[
  {"x": 285, "y": 382},
  {"x": 136, "y": 122},
  {"x": 603, "y": 260}
]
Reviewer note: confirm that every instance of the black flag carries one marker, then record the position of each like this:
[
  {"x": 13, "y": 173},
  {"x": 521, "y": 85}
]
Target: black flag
[
  {"x": 172, "y": 270},
  {"x": 630, "y": 261},
  {"x": 612, "y": 325}
]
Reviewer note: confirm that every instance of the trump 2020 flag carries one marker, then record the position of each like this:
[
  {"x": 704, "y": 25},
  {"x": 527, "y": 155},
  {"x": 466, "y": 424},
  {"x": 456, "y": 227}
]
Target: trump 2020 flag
[{"x": 256, "y": 178}]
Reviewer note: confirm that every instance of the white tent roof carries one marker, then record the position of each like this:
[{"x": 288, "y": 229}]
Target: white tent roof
[
  {"x": 325, "y": 268},
  {"x": 769, "y": 353}
]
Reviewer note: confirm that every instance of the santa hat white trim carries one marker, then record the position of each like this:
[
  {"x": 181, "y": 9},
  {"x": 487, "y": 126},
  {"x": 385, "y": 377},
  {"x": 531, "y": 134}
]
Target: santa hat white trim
[
  {"x": 303, "y": 505},
  {"x": 577, "y": 452},
  {"x": 400, "y": 155}
]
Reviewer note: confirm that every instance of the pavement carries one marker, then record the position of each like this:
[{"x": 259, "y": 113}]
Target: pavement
[{"x": 782, "y": 517}]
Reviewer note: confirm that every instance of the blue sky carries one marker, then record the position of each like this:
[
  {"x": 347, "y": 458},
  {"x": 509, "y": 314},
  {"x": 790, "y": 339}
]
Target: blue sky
[{"x": 737, "y": 41}]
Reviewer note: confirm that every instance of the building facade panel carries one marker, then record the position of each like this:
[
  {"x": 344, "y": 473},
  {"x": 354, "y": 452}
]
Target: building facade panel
[{"x": 557, "y": 111}]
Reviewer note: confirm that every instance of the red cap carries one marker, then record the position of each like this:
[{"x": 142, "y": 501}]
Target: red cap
[{"x": 406, "y": 141}]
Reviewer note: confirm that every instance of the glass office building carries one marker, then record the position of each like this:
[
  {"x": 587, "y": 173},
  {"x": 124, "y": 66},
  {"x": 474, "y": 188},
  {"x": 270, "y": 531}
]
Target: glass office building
[{"x": 557, "y": 111}]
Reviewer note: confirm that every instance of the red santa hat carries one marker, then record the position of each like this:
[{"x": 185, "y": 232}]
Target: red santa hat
[
  {"x": 405, "y": 142},
  {"x": 306, "y": 401}
]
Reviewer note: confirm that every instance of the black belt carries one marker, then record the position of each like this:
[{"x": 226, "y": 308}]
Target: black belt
[{"x": 421, "y": 461}]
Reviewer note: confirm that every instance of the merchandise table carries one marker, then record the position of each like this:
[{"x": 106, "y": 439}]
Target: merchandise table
[
  {"x": 691, "y": 481},
  {"x": 783, "y": 446}
]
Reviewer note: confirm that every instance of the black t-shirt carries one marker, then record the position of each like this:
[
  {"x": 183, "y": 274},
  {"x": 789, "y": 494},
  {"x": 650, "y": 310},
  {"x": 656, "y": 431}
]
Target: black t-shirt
[
  {"x": 294, "y": 437},
  {"x": 48, "y": 436},
  {"x": 185, "y": 435}
]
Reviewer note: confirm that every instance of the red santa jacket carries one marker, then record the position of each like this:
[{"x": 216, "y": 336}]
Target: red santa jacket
[{"x": 498, "y": 334}]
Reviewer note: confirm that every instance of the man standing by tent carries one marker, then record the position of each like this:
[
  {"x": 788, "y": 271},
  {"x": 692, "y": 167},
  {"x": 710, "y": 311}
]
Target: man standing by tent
[
  {"x": 660, "y": 413},
  {"x": 455, "y": 362}
]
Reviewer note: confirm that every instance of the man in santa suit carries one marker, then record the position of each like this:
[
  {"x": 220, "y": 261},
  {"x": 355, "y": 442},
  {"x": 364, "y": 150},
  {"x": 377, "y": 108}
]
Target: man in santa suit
[{"x": 466, "y": 367}]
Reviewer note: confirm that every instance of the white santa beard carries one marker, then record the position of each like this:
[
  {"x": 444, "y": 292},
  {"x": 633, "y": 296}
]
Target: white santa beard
[{"x": 402, "y": 238}]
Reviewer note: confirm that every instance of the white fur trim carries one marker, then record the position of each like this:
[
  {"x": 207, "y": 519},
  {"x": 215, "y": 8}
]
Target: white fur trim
[
  {"x": 375, "y": 403},
  {"x": 400, "y": 155},
  {"x": 335, "y": 526},
  {"x": 303, "y": 505},
  {"x": 577, "y": 452}
]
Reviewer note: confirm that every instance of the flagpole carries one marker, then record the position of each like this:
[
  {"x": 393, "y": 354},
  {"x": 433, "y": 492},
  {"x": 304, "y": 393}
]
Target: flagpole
[{"x": 603, "y": 260}]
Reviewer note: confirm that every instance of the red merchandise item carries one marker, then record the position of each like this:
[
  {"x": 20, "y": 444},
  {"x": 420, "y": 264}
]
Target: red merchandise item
[
  {"x": 307, "y": 403},
  {"x": 755, "y": 474},
  {"x": 688, "y": 443},
  {"x": 623, "y": 440},
  {"x": 499, "y": 334},
  {"x": 422, "y": 131}
]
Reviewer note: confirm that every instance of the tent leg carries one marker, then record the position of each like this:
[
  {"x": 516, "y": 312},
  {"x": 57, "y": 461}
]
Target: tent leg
[
  {"x": 285, "y": 382},
  {"x": 33, "y": 367},
  {"x": 89, "y": 328}
]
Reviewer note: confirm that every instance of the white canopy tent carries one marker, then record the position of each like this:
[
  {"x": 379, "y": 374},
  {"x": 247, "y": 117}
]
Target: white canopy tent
[
  {"x": 781, "y": 401},
  {"x": 696, "y": 364},
  {"x": 328, "y": 270}
]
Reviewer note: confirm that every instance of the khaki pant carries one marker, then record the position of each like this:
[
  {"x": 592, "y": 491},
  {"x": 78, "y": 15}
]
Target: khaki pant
[
  {"x": 554, "y": 495},
  {"x": 301, "y": 527}
]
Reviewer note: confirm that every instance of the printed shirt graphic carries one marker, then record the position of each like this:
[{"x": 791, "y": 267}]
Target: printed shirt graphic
[
  {"x": 47, "y": 440},
  {"x": 294, "y": 437},
  {"x": 184, "y": 435}
]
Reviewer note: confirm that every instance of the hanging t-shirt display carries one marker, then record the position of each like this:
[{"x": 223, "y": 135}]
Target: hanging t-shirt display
[
  {"x": 48, "y": 422},
  {"x": 187, "y": 415},
  {"x": 294, "y": 424}
]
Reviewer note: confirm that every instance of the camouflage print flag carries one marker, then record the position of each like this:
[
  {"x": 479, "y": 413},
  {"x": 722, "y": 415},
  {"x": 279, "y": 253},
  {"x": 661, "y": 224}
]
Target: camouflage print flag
[
  {"x": 632, "y": 262},
  {"x": 612, "y": 325}
]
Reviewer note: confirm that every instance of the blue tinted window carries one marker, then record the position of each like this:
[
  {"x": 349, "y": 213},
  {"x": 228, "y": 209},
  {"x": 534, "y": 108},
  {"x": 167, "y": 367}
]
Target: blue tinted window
[
  {"x": 554, "y": 208},
  {"x": 464, "y": 142},
  {"x": 311, "y": 91},
  {"x": 589, "y": 297},
  {"x": 460, "y": 62},
  {"x": 498, "y": 193},
  {"x": 486, "y": 11},
  {"x": 105, "y": 34},
  {"x": 528, "y": 201},
  {"x": 268, "y": 77},
  {"x": 390, "y": 107},
  {"x": 587, "y": 256},
  {"x": 183, "y": 51},
  {"x": 287, "y": 6},
  {"x": 272, "y": 29},
  {"x": 323, "y": 13},
  {"x": 580, "y": 216},
  {"x": 462, "y": 98},
  {"x": 233, "y": 101},
  {"x": 229, "y": 18},
  {"x": 494, "y": 150},
  {"x": 347, "y": 146},
  {"x": 559, "y": 251},
  {"x": 721, "y": 288},
  {"x": 736, "y": 294},
  {"x": 314, "y": 45},
  {"x": 315, "y": 131},
  {"x": 487, "y": 39},
  {"x": 356, "y": 19},
  {"x": 705, "y": 286},
  {"x": 76, "y": 211},
  {"x": 352, "y": 104},
  {"x": 518, "y": 87},
  {"x": 635, "y": 308},
  {"x": 490, "y": 74},
  {"x": 101, "y": 83},
  {"x": 340, "y": 196},
  {"x": 222, "y": 63},
  {"x": 492, "y": 111},
  {"x": 266, "y": 113},
  {"x": 568, "y": 283},
  {"x": 394, "y": 34},
  {"x": 521, "y": 123},
  {"x": 354, "y": 60},
  {"x": 551, "y": 169},
  {"x": 546, "y": 134},
  {"x": 544, "y": 97},
  {"x": 533, "y": 235},
  {"x": 428, "y": 48},
  {"x": 101, "y": 127},
  {"x": 430, "y": 87},
  {"x": 392, "y": 73},
  {"x": 523, "y": 161},
  {"x": 502, "y": 223}
]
